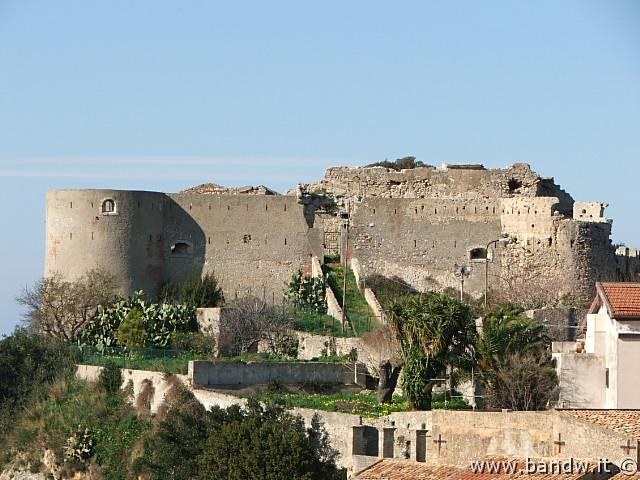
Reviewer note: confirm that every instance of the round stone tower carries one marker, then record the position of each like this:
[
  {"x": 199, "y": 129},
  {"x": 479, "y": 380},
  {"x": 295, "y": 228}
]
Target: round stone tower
[{"x": 116, "y": 230}]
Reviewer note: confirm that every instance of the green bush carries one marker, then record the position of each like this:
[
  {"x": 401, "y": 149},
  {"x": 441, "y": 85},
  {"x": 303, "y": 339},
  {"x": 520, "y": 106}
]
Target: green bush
[
  {"x": 307, "y": 293},
  {"x": 198, "y": 291},
  {"x": 131, "y": 332},
  {"x": 266, "y": 443},
  {"x": 110, "y": 378},
  {"x": 29, "y": 364},
  {"x": 195, "y": 343}
]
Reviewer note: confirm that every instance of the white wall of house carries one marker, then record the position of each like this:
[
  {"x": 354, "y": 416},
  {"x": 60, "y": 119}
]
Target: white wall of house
[{"x": 607, "y": 373}]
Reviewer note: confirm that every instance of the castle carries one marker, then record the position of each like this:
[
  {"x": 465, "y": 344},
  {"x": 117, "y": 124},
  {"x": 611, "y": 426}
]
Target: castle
[{"x": 418, "y": 224}]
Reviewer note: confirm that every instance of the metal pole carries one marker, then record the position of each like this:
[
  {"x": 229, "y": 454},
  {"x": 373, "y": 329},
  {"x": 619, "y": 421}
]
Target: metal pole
[
  {"x": 346, "y": 267},
  {"x": 486, "y": 271}
]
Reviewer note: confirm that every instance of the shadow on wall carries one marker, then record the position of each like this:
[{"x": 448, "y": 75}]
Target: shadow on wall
[{"x": 184, "y": 244}]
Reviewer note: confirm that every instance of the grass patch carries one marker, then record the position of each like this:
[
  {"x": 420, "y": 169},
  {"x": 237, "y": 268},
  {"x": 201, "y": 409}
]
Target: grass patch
[
  {"x": 362, "y": 403},
  {"x": 318, "y": 324},
  {"x": 358, "y": 312},
  {"x": 365, "y": 404},
  {"x": 167, "y": 361}
]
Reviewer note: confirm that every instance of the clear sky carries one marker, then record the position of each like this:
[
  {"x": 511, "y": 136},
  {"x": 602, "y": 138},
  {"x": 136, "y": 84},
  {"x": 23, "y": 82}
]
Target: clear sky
[{"x": 162, "y": 95}]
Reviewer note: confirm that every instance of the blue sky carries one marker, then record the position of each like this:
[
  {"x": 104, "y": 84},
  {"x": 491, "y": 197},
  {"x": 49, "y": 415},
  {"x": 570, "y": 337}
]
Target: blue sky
[{"x": 163, "y": 95}]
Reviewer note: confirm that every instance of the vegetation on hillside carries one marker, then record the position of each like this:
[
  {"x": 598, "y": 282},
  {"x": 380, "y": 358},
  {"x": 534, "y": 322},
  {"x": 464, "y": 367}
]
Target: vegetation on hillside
[
  {"x": 363, "y": 403},
  {"x": 155, "y": 324},
  {"x": 357, "y": 312},
  {"x": 100, "y": 429}
]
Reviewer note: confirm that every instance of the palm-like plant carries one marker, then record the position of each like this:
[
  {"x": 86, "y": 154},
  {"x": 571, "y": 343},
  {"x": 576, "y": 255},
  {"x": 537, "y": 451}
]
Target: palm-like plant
[
  {"x": 507, "y": 335},
  {"x": 506, "y": 331},
  {"x": 434, "y": 330}
]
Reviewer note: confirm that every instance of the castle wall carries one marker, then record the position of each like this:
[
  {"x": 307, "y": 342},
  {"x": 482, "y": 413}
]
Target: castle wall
[
  {"x": 551, "y": 254},
  {"x": 127, "y": 242},
  {"x": 253, "y": 244},
  {"x": 421, "y": 240}
]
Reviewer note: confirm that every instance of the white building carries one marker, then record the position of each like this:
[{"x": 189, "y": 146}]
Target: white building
[{"x": 604, "y": 370}]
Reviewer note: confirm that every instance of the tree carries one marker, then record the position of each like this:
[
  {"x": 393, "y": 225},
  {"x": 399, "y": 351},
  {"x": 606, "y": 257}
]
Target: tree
[
  {"x": 110, "y": 378},
  {"x": 29, "y": 363},
  {"x": 506, "y": 331},
  {"x": 523, "y": 381},
  {"x": 61, "y": 308},
  {"x": 131, "y": 332},
  {"x": 514, "y": 364},
  {"x": 435, "y": 331},
  {"x": 181, "y": 429},
  {"x": 383, "y": 358},
  {"x": 250, "y": 320},
  {"x": 267, "y": 443}
]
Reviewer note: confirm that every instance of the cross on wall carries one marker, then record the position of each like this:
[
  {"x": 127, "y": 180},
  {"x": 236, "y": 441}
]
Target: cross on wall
[
  {"x": 439, "y": 441},
  {"x": 627, "y": 448},
  {"x": 559, "y": 443}
]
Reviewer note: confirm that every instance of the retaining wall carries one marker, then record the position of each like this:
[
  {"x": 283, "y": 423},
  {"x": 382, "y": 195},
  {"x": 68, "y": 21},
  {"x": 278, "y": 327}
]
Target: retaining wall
[{"x": 240, "y": 374}]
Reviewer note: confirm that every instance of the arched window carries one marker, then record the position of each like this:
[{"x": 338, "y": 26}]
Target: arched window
[
  {"x": 181, "y": 249},
  {"x": 108, "y": 206}
]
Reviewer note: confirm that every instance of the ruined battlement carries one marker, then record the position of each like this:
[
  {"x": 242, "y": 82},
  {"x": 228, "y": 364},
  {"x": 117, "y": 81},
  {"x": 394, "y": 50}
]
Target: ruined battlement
[{"x": 415, "y": 224}]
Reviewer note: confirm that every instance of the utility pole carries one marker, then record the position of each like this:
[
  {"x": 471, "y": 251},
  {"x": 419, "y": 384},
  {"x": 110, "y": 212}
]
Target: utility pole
[
  {"x": 345, "y": 253},
  {"x": 504, "y": 240}
]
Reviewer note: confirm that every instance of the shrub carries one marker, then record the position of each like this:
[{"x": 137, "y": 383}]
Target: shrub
[
  {"x": 266, "y": 443},
  {"x": 110, "y": 379},
  {"x": 307, "y": 293},
  {"x": 198, "y": 291},
  {"x": 131, "y": 332},
  {"x": 29, "y": 364},
  {"x": 194, "y": 342},
  {"x": 399, "y": 164}
]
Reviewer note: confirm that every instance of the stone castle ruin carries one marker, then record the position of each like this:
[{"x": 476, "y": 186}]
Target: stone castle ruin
[{"x": 418, "y": 224}]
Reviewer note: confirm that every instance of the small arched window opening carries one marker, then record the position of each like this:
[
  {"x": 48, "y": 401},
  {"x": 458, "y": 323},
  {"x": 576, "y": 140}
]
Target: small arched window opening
[
  {"x": 108, "y": 206},
  {"x": 181, "y": 248},
  {"x": 477, "y": 254}
]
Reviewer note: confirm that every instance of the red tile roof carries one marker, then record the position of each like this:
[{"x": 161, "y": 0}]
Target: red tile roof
[
  {"x": 388, "y": 469},
  {"x": 621, "y": 299},
  {"x": 622, "y": 421}
]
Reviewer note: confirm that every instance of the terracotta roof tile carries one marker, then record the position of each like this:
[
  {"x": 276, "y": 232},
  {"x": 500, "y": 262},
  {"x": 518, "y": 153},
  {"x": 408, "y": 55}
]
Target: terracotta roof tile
[
  {"x": 388, "y": 469},
  {"x": 623, "y": 298},
  {"x": 404, "y": 470},
  {"x": 622, "y": 421}
]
